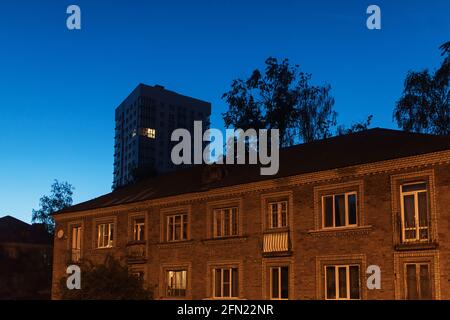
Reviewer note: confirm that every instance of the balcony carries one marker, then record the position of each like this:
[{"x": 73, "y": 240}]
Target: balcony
[
  {"x": 136, "y": 252},
  {"x": 276, "y": 243},
  {"x": 414, "y": 238}
]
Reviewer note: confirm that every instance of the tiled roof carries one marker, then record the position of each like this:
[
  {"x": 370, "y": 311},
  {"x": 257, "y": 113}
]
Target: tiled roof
[
  {"x": 337, "y": 152},
  {"x": 13, "y": 230}
]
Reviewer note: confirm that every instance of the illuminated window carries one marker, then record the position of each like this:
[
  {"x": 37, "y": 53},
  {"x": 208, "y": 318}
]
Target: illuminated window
[
  {"x": 105, "y": 235},
  {"x": 176, "y": 283},
  {"x": 139, "y": 229},
  {"x": 149, "y": 133},
  {"x": 414, "y": 209},
  {"x": 76, "y": 243}
]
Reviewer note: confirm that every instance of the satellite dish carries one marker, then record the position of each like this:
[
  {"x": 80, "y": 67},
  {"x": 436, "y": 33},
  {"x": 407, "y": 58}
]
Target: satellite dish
[{"x": 60, "y": 233}]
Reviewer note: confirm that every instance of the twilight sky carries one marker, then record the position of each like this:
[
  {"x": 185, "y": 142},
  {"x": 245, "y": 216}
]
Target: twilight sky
[{"x": 59, "y": 88}]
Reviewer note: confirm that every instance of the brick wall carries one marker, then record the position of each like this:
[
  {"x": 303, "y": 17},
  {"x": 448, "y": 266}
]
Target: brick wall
[{"x": 371, "y": 243}]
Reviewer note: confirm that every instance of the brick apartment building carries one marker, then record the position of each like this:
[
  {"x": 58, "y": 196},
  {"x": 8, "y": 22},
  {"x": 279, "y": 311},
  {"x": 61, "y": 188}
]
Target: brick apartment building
[{"x": 378, "y": 197}]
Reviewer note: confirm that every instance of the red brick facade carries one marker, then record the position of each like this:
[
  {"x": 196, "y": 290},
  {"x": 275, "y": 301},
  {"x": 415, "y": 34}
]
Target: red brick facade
[{"x": 300, "y": 243}]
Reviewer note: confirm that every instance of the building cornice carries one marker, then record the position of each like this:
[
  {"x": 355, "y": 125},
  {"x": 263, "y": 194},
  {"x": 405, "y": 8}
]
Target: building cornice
[{"x": 418, "y": 161}]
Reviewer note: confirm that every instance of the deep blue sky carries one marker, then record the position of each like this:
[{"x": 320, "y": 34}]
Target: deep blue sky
[{"x": 59, "y": 88}]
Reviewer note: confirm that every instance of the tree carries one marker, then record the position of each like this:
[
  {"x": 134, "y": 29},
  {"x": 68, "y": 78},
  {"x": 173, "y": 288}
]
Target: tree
[
  {"x": 60, "y": 198},
  {"x": 282, "y": 98},
  {"x": 356, "y": 127},
  {"x": 108, "y": 281},
  {"x": 424, "y": 106}
]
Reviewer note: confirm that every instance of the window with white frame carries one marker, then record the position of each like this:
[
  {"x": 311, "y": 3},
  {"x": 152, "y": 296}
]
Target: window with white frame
[
  {"x": 342, "y": 282},
  {"x": 279, "y": 283},
  {"x": 176, "y": 283},
  {"x": 278, "y": 216},
  {"x": 105, "y": 235},
  {"x": 77, "y": 234},
  {"x": 418, "y": 281},
  {"x": 177, "y": 227},
  {"x": 226, "y": 282},
  {"x": 414, "y": 212},
  {"x": 139, "y": 229},
  {"x": 339, "y": 210},
  {"x": 225, "y": 222}
]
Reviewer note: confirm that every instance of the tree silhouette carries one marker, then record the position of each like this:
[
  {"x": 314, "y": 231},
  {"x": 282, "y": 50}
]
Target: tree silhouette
[
  {"x": 424, "y": 106},
  {"x": 356, "y": 127},
  {"x": 60, "y": 198},
  {"x": 281, "y": 98},
  {"x": 110, "y": 280}
]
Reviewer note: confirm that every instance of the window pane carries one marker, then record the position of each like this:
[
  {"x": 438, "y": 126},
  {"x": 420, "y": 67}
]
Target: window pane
[
  {"x": 339, "y": 211},
  {"x": 414, "y": 187},
  {"x": 328, "y": 214},
  {"x": 218, "y": 223},
  {"x": 283, "y": 214},
  {"x": 425, "y": 283},
  {"x": 342, "y": 282},
  {"x": 234, "y": 221},
  {"x": 408, "y": 207},
  {"x": 275, "y": 283},
  {"x": 170, "y": 230},
  {"x": 227, "y": 223},
  {"x": 185, "y": 229},
  {"x": 354, "y": 282},
  {"x": 226, "y": 282},
  {"x": 235, "y": 284},
  {"x": 411, "y": 282},
  {"x": 284, "y": 282},
  {"x": 331, "y": 283},
  {"x": 177, "y": 230},
  {"x": 423, "y": 217},
  {"x": 352, "y": 209},
  {"x": 274, "y": 215},
  {"x": 218, "y": 282}
]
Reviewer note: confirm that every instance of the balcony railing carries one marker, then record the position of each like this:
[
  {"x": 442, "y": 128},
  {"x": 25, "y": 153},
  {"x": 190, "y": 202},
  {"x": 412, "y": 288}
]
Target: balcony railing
[
  {"x": 276, "y": 242},
  {"x": 136, "y": 252},
  {"x": 75, "y": 255}
]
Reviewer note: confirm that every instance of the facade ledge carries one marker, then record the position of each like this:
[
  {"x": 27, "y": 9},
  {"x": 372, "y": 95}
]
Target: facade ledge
[
  {"x": 416, "y": 246},
  {"x": 225, "y": 240},
  {"x": 176, "y": 244},
  {"x": 341, "y": 232}
]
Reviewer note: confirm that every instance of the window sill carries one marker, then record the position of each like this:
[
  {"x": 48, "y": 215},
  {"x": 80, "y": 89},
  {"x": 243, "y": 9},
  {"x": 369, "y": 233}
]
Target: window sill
[
  {"x": 135, "y": 242},
  {"x": 276, "y": 230},
  {"x": 341, "y": 231},
  {"x": 416, "y": 246},
  {"x": 175, "y": 244},
  {"x": 225, "y": 240}
]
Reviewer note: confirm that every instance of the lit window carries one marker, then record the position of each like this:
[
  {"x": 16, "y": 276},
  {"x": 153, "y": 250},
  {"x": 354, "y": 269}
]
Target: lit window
[
  {"x": 139, "y": 229},
  {"x": 176, "y": 283},
  {"x": 76, "y": 243},
  {"x": 414, "y": 209},
  {"x": 149, "y": 133},
  {"x": 105, "y": 235}
]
